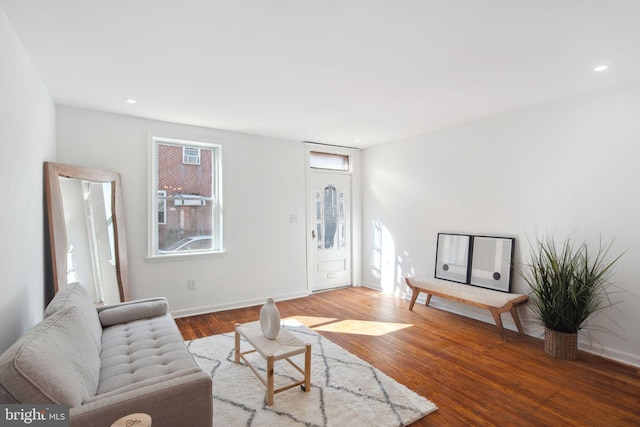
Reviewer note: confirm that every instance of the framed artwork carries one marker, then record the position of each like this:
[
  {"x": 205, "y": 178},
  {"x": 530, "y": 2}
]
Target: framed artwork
[
  {"x": 491, "y": 265},
  {"x": 452, "y": 257}
]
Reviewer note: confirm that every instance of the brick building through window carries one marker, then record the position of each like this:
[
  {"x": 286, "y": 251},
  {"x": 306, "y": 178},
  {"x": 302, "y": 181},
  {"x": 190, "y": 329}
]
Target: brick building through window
[{"x": 185, "y": 198}]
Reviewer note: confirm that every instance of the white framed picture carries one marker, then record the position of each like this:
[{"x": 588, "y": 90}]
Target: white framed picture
[
  {"x": 452, "y": 257},
  {"x": 491, "y": 262}
]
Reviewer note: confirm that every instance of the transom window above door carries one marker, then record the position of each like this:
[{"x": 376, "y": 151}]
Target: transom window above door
[{"x": 328, "y": 161}]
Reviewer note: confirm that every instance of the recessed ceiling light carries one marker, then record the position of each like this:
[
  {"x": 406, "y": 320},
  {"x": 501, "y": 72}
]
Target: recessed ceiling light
[
  {"x": 130, "y": 101},
  {"x": 600, "y": 68},
  {"x": 356, "y": 140}
]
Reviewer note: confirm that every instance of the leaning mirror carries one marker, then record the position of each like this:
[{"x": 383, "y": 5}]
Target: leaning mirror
[{"x": 86, "y": 229}]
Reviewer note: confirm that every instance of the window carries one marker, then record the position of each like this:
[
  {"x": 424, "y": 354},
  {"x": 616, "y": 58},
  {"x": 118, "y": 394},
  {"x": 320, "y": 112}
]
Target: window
[
  {"x": 190, "y": 155},
  {"x": 187, "y": 202},
  {"x": 336, "y": 162}
]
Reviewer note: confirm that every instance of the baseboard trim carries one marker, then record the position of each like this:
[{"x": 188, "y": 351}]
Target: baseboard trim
[
  {"x": 371, "y": 286},
  {"x": 235, "y": 304},
  {"x": 608, "y": 353}
]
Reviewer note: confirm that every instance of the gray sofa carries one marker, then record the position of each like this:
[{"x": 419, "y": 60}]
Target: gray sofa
[{"x": 107, "y": 362}]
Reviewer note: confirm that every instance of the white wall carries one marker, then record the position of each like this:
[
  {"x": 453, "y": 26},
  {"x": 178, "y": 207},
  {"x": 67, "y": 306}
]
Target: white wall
[
  {"x": 569, "y": 166},
  {"x": 264, "y": 183},
  {"x": 27, "y": 139}
]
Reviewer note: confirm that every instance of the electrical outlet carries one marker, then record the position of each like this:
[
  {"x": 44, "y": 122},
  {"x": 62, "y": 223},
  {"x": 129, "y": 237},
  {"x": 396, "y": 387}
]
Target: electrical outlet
[{"x": 193, "y": 284}]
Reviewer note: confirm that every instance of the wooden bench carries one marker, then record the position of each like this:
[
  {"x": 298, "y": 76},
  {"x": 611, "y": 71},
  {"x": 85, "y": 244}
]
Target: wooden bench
[{"x": 495, "y": 301}]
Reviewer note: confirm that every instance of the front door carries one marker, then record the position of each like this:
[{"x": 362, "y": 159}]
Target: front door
[{"x": 329, "y": 228}]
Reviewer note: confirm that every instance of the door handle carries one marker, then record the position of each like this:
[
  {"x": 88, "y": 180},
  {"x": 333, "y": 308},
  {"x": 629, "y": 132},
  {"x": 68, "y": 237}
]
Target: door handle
[{"x": 313, "y": 234}]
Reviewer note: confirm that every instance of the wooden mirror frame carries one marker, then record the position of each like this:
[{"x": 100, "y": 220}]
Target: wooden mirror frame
[{"x": 57, "y": 225}]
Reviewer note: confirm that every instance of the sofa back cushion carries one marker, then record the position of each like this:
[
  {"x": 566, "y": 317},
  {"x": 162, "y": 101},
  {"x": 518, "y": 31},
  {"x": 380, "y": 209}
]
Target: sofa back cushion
[
  {"x": 76, "y": 295},
  {"x": 135, "y": 310},
  {"x": 55, "y": 362}
]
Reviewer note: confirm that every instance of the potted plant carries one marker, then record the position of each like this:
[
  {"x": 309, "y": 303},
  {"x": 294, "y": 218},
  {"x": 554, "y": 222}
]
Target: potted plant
[{"x": 568, "y": 285}]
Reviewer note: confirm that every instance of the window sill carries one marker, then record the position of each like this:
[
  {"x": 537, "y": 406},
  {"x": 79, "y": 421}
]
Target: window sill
[{"x": 184, "y": 257}]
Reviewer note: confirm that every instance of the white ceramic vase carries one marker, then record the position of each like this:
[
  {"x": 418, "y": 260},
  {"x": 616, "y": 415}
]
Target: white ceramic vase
[{"x": 270, "y": 319}]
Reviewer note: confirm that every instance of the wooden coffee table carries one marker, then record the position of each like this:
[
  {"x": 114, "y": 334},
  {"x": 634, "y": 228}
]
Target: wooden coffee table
[{"x": 284, "y": 346}]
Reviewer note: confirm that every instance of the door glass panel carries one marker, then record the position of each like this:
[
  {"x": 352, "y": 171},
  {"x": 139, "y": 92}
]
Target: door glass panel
[
  {"x": 341, "y": 220},
  {"x": 330, "y": 219},
  {"x": 319, "y": 232},
  {"x": 318, "y": 206},
  {"x": 330, "y": 216}
]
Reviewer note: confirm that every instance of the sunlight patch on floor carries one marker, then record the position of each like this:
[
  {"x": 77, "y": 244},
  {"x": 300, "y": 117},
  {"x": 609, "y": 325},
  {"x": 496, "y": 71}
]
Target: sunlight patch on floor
[
  {"x": 363, "y": 327},
  {"x": 308, "y": 321},
  {"x": 347, "y": 326}
]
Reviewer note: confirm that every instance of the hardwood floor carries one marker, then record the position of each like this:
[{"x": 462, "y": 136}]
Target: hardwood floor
[{"x": 460, "y": 364}]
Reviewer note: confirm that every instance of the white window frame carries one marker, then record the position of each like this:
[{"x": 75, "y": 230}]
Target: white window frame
[{"x": 217, "y": 216}]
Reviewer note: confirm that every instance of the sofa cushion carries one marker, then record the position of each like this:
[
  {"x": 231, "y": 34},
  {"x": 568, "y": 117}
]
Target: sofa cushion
[
  {"x": 54, "y": 362},
  {"x": 75, "y": 294},
  {"x": 128, "y": 312},
  {"x": 140, "y": 350}
]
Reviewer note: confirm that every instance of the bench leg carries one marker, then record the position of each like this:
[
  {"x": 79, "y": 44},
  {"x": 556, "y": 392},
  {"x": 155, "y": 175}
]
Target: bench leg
[
  {"x": 498, "y": 320},
  {"x": 516, "y": 318},
  {"x": 414, "y": 297}
]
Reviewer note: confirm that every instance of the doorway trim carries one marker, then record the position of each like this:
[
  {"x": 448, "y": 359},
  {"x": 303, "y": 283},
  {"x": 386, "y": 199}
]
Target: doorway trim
[{"x": 355, "y": 156}]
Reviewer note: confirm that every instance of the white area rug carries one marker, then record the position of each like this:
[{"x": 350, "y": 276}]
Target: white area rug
[{"x": 345, "y": 390}]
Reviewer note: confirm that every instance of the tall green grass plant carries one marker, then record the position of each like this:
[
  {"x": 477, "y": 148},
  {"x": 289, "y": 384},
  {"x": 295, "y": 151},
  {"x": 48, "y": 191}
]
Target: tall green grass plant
[{"x": 569, "y": 283}]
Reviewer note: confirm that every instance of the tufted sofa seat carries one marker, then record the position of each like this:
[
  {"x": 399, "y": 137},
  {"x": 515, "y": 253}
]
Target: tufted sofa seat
[{"x": 107, "y": 362}]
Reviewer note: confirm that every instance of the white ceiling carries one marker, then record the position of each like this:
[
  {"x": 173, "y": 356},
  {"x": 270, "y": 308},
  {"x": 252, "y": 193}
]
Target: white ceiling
[{"x": 330, "y": 71}]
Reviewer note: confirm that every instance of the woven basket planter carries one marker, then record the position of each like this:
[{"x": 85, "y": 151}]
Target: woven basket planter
[{"x": 561, "y": 345}]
